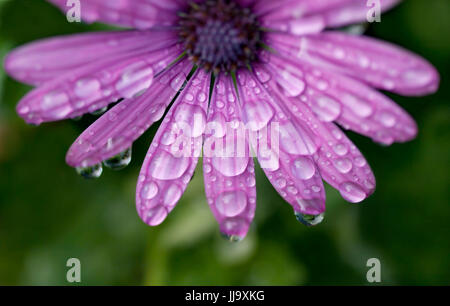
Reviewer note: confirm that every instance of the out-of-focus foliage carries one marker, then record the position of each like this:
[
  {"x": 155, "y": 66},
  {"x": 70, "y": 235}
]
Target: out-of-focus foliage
[{"x": 49, "y": 214}]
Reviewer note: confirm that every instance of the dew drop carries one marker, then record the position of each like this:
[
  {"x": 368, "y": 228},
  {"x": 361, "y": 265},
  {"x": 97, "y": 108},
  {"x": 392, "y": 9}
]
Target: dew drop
[
  {"x": 309, "y": 220},
  {"x": 120, "y": 161},
  {"x": 303, "y": 168},
  {"x": 231, "y": 203},
  {"x": 352, "y": 192},
  {"x": 149, "y": 191},
  {"x": 90, "y": 172}
]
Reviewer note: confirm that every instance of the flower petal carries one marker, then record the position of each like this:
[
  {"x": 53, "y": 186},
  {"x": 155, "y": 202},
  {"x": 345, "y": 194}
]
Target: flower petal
[
  {"x": 139, "y": 14},
  {"x": 173, "y": 155},
  {"x": 94, "y": 86},
  {"x": 332, "y": 13},
  {"x": 339, "y": 161},
  {"x": 285, "y": 152},
  {"x": 41, "y": 61},
  {"x": 352, "y": 104},
  {"x": 115, "y": 131},
  {"x": 227, "y": 165},
  {"x": 377, "y": 63}
]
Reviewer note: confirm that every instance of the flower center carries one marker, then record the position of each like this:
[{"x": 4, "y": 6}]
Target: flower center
[{"x": 220, "y": 35}]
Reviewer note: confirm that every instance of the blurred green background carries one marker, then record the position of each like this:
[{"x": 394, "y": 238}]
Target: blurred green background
[{"x": 49, "y": 214}]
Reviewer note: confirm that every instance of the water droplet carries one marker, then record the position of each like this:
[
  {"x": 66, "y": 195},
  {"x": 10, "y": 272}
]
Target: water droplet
[
  {"x": 257, "y": 114},
  {"x": 230, "y": 166},
  {"x": 165, "y": 166},
  {"x": 281, "y": 183},
  {"x": 231, "y": 203},
  {"x": 340, "y": 149},
  {"x": 326, "y": 108},
  {"x": 191, "y": 119},
  {"x": 291, "y": 84},
  {"x": 149, "y": 191},
  {"x": 135, "y": 79},
  {"x": 90, "y": 172},
  {"x": 232, "y": 238},
  {"x": 120, "y": 161},
  {"x": 352, "y": 192},
  {"x": 87, "y": 88},
  {"x": 309, "y": 220},
  {"x": 173, "y": 194},
  {"x": 344, "y": 165},
  {"x": 303, "y": 168}
]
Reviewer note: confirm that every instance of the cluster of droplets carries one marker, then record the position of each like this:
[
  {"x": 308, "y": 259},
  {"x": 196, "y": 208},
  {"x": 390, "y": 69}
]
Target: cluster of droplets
[{"x": 118, "y": 162}]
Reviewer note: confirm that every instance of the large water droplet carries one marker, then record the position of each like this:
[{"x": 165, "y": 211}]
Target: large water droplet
[
  {"x": 257, "y": 114},
  {"x": 165, "y": 166},
  {"x": 352, "y": 192},
  {"x": 344, "y": 165},
  {"x": 191, "y": 119},
  {"x": 87, "y": 88},
  {"x": 149, "y": 191},
  {"x": 90, "y": 172},
  {"x": 119, "y": 161},
  {"x": 172, "y": 195},
  {"x": 309, "y": 220},
  {"x": 303, "y": 168},
  {"x": 292, "y": 85},
  {"x": 326, "y": 108},
  {"x": 232, "y": 238},
  {"x": 231, "y": 203},
  {"x": 230, "y": 166}
]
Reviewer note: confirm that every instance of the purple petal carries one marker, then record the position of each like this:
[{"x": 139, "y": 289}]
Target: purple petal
[
  {"x": 94, "y": 86},
  {"x": 377, "y": 63},
  {"x": 116, "y": 130},
  {"x": 228, "y": 168},
  {"x": 331, "y": 13},
  {"x": 173, "y": 155},
  {"x": 355, "y": 106},
  {"x": 41, "y": 61},
  {"x": 339, "y": 161},
  {"x": 287, "y": 161},
  {"x": 139, "y": 14}
]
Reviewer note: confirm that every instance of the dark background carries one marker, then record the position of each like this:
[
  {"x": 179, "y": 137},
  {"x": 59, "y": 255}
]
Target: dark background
[{"x": 49, "y": 214}]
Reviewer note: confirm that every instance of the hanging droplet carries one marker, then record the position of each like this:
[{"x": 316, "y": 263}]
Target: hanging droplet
[
  {"x": 120, "y": 161},
  {"x": 232, "y": 238},
  {"x": 309, "y": 220},
  {"x": 100, "y": 111},
  {"x": 90, "y": 172}
]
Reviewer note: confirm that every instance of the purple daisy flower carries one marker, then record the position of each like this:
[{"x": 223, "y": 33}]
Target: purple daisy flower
[{"x": 221, "y": 74}]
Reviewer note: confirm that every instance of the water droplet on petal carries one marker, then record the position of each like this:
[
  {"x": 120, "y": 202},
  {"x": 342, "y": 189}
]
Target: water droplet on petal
[
  {"x": 352, "y": 192},
  {"x": 303, "y": 168},
  {"x": 149, "y": 191},
  {"x": 120, "y": 161},
  {"x": 309, "y": 220},
  {"x": 165, "y": 166},
  {"x": 173, "y": 194},
  {"x": 231, "y": 203},
  {"x": 90, "y": 172},
  {"x": 232, "y": 238}
]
